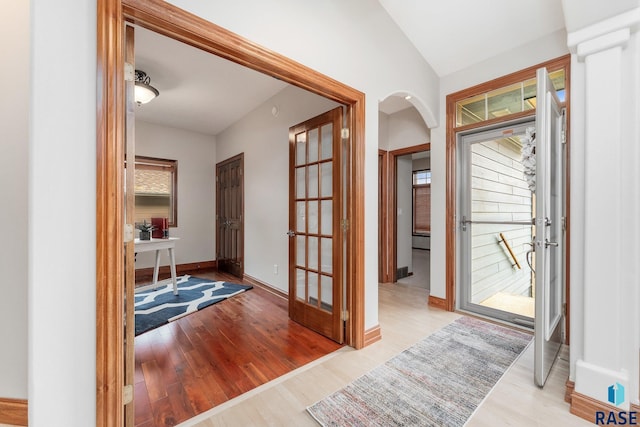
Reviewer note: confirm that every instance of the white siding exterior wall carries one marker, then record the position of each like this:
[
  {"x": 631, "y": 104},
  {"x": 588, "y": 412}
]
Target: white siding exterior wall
[{"x": 499, "y": 193}]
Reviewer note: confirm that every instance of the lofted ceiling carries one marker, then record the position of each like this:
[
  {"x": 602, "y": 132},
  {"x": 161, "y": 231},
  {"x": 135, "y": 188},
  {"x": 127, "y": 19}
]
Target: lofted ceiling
[
  {"x": 206, "y": 94},
  {"x": 453, "y": 35}
]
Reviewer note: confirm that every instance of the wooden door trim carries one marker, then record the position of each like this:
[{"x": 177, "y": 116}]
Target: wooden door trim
[
  {"x": 451, "y": 160},
  {"x": 110, "y": 117},
  {"x": 180, "y": 25},
  {"x": 218, "y": 165},
  {"x": 383, "y": 221},
  {"x": 392, "y": 239}
]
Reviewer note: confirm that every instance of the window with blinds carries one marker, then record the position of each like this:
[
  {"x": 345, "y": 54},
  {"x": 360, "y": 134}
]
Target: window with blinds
[
  {"x": 156, "y": 189},
  {"x": 422, "y": 202}
]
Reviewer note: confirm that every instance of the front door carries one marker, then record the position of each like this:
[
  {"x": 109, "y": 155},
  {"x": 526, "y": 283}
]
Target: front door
[
  {"x": 229, "y": 215},
  {"x": 512, "y": 224},
  {"x": 315, "y": 237},
  {"x": 549, "y": 242}
]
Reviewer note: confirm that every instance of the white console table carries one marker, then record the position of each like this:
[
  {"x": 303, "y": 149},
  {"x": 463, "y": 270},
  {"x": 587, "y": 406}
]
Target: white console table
[{"x": 157, "y": 245}]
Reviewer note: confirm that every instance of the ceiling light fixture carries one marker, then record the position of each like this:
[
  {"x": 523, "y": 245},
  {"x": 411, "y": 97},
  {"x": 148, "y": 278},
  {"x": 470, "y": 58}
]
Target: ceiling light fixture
[{"x": 144, "y": 92}]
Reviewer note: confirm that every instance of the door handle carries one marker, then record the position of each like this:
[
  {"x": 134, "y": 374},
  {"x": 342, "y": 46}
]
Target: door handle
[
  {"x": 547, "y": 243},
  {"x": 290, "y": 233}
]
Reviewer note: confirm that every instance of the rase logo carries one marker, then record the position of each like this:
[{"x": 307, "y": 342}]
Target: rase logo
[{"x": 615, "y": 396}]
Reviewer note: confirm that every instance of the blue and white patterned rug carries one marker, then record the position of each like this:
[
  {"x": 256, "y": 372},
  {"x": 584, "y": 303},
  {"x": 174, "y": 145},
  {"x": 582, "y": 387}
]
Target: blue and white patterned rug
[{"x": 157, "y": 307}]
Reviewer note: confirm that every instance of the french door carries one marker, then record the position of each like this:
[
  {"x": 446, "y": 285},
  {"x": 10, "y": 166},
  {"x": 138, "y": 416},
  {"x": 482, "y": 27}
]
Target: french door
[
  {"x": 315, "y": 238},
  {"x": 229, "y": 215}
]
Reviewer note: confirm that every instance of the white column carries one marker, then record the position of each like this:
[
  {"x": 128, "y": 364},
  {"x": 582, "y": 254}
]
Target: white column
[{"x": 611, "y": 326}]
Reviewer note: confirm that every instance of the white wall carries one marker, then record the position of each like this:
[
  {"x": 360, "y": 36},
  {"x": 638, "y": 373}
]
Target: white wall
[
  {"x": 264, "y": 140},
  {"x": 14, "y": 141},
  {"x": 541, "y": 50},
  {"x": 62, "y": 214},
  {"x": 406, "y": 128},
  {"x": 196, "y": 156},
  {"x": 354, "y": 42}
]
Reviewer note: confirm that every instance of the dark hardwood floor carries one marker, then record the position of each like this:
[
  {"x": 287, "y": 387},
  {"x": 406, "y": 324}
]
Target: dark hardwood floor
[{"x": 209, "y": 357}]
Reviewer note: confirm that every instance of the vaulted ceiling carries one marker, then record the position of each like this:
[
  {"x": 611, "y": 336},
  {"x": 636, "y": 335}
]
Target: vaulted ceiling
[{"x": 206, "y": 94}]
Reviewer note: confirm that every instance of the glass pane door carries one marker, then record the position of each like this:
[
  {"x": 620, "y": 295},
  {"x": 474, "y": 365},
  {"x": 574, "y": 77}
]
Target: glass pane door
[
  {"x": 497, "y": 229},
  {"x": 315, "y": 201}
]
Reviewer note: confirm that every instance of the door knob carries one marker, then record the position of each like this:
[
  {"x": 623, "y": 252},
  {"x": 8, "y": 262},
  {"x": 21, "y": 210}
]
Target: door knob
[{"x": 291, "y": 233}]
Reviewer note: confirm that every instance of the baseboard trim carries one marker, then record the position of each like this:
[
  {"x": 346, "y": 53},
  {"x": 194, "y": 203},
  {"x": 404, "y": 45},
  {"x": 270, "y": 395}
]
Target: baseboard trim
[
  {"x": 146, "y": 274},
  {"x": 267, "y": 287},
  {"x": 372, "y": 335},
  {"x": 14, "y": 412},
  {"x": 585, "y": 407},
  {"x": 570, "y": 387},
  {"x": 438, "y": 302}
]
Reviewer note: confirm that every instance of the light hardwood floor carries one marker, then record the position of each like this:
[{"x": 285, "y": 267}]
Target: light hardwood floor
[{"x": 405, "y": 319}]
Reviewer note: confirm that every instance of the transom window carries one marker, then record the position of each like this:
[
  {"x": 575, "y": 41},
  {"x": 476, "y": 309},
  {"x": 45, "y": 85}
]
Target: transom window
[{"x": 514, "y": 98}]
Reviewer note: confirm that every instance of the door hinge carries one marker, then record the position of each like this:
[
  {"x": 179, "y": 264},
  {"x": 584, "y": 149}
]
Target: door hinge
[
  {"x": 344, "y": 133},
  {"x": 564, "y": 309},
  {"x": 563, "y": 136},
  {"x": 127, "y": 394},
  {"x": 564, "y": 223},
  {"x": 129, "y": 72},
  {"x": 345, "y": 315},
  {"x": 128, "y": 233},
  {"x": 344, "y": 224}
]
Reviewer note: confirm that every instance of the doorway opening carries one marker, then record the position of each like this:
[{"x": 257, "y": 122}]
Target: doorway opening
[
  {"x": 413, "y": 219},
  {"x": 175, "y": 23},
  {"x": 208, "y": 344},
  {"x": 506, "y": 99},
  {"x": 408, "y": 217}
]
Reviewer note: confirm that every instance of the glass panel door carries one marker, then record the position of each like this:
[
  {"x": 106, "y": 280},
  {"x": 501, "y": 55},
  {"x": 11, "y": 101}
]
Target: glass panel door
[
  {"x": 315, "y": 297},
  {"x": 497, "y": 208}
]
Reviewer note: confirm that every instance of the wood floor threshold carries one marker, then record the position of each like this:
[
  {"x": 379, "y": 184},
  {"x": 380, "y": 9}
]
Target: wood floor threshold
[
  {"x": 260, "y": 389},
  {"x": 146, "y": 274},
  {"x": 372, "y": 335},
  {"x": 267, "y": 287},
  {"x": 14, "y": 411},
  {"x": 586, "y": 407}
]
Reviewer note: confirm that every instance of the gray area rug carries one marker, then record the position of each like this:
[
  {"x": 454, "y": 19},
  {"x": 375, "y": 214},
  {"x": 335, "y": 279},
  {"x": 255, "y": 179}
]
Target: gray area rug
[{"x": 439, "y": 381}]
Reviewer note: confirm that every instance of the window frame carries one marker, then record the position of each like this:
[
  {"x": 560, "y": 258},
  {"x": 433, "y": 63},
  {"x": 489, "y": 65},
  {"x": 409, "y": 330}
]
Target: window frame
[
  {"x": 413, "y": 201},
  {"x": 156, "y": 163}
]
